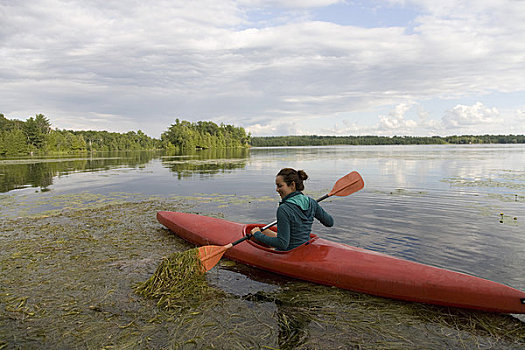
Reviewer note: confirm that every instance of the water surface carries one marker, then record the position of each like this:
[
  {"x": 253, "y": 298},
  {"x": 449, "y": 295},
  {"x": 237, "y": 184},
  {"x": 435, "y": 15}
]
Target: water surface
[
  {"x": 460, "y": 207},
  {"x": 87, "y": 224}
]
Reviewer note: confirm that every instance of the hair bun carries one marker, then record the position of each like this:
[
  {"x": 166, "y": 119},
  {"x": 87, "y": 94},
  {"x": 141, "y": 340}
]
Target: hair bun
[
  {"x": 291, "y": 175},
  {"x": 302, "y": 175}
]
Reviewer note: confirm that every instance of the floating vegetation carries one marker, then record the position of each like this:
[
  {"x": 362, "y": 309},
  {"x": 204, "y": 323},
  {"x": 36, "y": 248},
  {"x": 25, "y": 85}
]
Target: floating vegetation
[
  {"x": 487, "y": 182},
  {"x": 505, "y": 185},
  {"x": 507, "y": 197},
  {"x": 508, "y": 219},
  {"x": 179, "y": 281},
  {"x": 30, "y": 205}
]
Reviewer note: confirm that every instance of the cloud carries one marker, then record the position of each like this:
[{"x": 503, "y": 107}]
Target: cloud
[
  {"x": 395, "y": 120},
  {"x": 476, "y": 118},
  {"x": 470, "y": 116},
  {"x": 411, "y": 119},
  {"x": 262, "y": 65}
]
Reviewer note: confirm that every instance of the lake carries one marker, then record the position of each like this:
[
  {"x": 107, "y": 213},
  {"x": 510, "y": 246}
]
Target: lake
[
  {"x": 433, "y": 204},
  {"x": 461, "y": 207}
]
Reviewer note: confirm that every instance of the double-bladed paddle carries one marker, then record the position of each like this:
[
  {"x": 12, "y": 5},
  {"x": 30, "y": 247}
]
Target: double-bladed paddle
[{"x": 348, "y": 184}]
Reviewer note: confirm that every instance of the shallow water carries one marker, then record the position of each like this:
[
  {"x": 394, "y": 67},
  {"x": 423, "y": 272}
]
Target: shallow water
[
  {"x": 67, "y": 281},
  {"x": 440, "y": 205}
]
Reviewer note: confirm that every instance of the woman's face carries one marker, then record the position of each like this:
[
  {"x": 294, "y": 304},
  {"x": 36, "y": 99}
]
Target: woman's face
[{"x": 282, "y": 187}]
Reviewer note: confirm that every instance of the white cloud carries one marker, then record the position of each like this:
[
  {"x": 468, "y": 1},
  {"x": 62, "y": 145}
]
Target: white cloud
[
  {"x": 395, "y": 121},
  {"x": 392, "y": 123},
  {"x": 276, "y": 128},
  {"x": 470, "y": 116},
  {"x": 148, "y": 63}
]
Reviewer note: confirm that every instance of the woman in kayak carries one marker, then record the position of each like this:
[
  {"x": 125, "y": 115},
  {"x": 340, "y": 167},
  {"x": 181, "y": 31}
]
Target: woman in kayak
[{"x": 295, "y": 214}]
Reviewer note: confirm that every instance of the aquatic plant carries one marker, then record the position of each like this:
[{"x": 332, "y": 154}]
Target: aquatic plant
[{"x": 178, "y": 281}]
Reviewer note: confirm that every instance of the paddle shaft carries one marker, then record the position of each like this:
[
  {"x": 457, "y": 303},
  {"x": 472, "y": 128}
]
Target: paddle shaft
[{"x": 250, "y": 235}]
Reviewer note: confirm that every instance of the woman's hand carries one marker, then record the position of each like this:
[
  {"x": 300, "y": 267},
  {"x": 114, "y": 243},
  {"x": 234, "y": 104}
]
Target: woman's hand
[{"x": 266, "y": 232}]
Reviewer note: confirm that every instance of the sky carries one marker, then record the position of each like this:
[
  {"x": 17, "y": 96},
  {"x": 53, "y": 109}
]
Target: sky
[{"x": 275, "y": 67}]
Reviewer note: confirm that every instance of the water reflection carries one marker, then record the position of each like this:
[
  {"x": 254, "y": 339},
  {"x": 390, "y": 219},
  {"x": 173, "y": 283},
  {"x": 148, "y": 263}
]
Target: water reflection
[
  {"x": 206, "y": 162},
  {"x": 24, "y": 175},
  {"x": 40, "y": 172}
]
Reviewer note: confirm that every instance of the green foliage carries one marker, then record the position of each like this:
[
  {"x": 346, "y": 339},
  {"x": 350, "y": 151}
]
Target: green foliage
[
  {"x": 63, "y": 141},
  {"x": 314, "y": 140},
  {"x": 36, "y": 130},
  {"x": 35, "y": 135},
  {"x": 112, "y": 141},
  {"x": 13, "y": 142},
  {"x": 184, "y": 135}
]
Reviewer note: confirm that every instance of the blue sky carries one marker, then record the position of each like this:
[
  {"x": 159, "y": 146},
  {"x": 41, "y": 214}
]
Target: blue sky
[
  {"x": 367, "y": 14},
  {"x": 325, "y": 67}
]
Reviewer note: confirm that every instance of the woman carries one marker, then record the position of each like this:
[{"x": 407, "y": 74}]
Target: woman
[{"x": 295, "y": 214}]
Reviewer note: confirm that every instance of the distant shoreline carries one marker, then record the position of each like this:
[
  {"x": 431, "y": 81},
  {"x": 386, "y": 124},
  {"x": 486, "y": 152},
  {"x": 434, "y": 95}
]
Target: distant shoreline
[{"x": 314, "y": 140}]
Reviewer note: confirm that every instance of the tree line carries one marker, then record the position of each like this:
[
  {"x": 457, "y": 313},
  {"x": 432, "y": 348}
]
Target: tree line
[
  {"x": 313, "y": 140},
  {"x": 36, "y": 136}
]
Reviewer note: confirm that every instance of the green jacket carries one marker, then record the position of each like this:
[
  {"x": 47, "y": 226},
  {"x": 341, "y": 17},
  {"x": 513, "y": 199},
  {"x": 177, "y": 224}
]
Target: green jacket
[{"x": 295, "y": 216}]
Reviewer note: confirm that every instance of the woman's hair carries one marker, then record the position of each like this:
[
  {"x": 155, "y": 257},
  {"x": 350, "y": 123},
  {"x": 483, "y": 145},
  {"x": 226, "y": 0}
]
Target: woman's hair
[{"x": 291, "y": 175}]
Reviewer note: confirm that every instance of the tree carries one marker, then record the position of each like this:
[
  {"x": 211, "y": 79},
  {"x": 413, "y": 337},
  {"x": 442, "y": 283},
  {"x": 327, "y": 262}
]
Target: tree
[
  {"x": 36, "y": 130},
  {"x": 4, "y": 123},
  {"x": 43, "y": 124},
  {"x": 15, "y": 143}
]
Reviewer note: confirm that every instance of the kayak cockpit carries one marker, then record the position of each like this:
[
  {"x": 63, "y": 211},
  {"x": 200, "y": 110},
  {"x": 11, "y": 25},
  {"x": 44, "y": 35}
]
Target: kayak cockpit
[{"x": 247, "y": 229}]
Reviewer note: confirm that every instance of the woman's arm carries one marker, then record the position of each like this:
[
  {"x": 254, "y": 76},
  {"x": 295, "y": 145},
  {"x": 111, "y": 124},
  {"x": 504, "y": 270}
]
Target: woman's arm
[
  {"x": 282, "y": 240},
  {"x": 321, "y": 215}
]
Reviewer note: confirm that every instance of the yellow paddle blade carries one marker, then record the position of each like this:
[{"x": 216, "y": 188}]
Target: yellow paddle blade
[
  {"x": 210, "y": 255},
  {"x": 347, "y": 185}
]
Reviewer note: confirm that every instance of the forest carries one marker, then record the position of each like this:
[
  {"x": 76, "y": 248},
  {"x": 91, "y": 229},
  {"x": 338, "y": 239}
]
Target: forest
[
  {"x": 36, "y": 136},
  {"x": 313, "y": 140}
]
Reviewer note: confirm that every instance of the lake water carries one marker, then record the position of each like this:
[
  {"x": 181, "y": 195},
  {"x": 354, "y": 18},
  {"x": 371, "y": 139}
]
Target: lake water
[
  {"x": 458, "y": 207},
  {"x": 77, "y": 233}
]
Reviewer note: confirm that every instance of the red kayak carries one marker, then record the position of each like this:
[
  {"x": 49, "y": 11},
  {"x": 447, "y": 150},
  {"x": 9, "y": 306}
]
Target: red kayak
[{"x": 335, "y": 264}]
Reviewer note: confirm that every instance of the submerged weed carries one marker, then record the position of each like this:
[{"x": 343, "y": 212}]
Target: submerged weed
[{"x": 179, "y": 281}]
